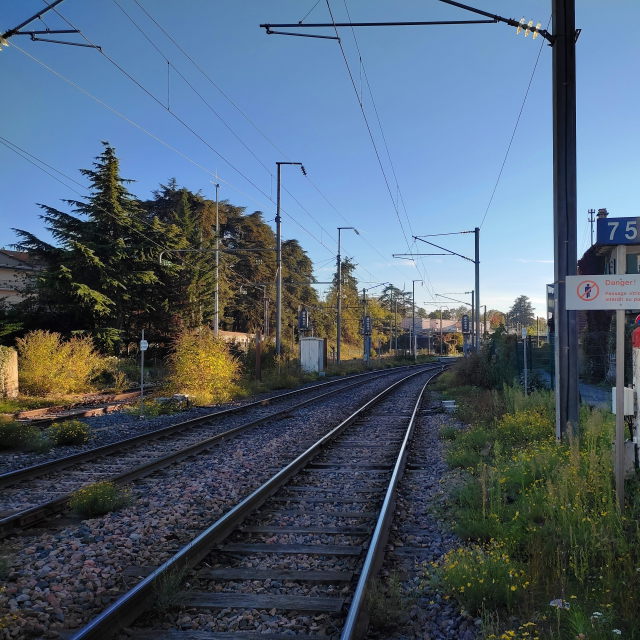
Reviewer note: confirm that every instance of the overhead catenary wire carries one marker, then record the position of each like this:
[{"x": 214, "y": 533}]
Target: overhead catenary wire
[
  {"x": 211, "y": 108},
  {"x": 243, "y": 113},
  {"x": 167, "y": 108},
  {"x": 135, "y": 124},
  {"x": 328, "y": 233},
  {"x": 400, "y": 196},
  {"x": 370, "y": 132},
  {"x": 515, "y": 129},
  {"x": 34, "y": 160}
]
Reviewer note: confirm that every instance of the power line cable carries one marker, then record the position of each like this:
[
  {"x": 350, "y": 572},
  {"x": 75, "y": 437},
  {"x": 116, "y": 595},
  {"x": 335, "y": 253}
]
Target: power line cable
[
  {"x": 368, "y": 126},
  {"x": 515, "y": 128},
  {"x": 163, "y": 142},
  {"x": 29, "y": 157},
  {"x": 243, "y": 113},
  {"x": 158, "y": 101},
  {"x": 209, "y": 106},
  {"x": 206, "y": 75},
  {"x": 400, "y": 196}
]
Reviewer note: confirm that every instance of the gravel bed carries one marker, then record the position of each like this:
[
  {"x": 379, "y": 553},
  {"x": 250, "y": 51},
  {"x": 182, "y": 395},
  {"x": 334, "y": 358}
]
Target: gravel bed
[
  {"x": 377, "y": 429},
  {"x": 120, "y": 425},
  {"x": 419, "y": 523},
  {"x": 59, "y": 580}
]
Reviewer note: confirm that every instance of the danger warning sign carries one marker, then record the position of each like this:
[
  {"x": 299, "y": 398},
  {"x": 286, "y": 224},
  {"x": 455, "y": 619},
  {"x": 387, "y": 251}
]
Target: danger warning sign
[{"x": 603, "y": 292}]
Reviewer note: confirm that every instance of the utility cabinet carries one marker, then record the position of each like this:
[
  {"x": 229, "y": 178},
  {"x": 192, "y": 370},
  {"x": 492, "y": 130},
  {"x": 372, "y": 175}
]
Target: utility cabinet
[{"x": 313, "y": 354}]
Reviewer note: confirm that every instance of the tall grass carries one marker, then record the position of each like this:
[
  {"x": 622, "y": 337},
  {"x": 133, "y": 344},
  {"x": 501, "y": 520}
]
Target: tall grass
[{"x": 553, "y": 508}]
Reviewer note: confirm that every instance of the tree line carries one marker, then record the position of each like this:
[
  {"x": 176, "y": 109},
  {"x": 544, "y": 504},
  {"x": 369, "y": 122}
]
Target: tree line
[{"x": 119, "y": 264}]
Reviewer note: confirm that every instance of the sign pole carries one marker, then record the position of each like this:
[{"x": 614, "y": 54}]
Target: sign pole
[
  {"x": 621, "y": 258},
  {"x": 142, "y": 350},
  {"x": 524, "y": 351}
]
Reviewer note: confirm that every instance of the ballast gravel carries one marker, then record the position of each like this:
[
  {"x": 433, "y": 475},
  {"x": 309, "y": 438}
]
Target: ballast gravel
[
  {"x": 420, "y": 535},
  {"x": 123, "y": 424},
  {"x": 59, "y": 580}
]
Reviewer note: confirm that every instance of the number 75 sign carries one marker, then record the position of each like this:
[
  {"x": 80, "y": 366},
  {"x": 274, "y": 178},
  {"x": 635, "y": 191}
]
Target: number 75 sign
[{"x": 618, "y": 231}]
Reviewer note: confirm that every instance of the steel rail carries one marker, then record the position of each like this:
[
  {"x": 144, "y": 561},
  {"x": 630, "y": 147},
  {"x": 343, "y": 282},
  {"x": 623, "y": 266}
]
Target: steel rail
[
  {"x": 355, "y": 625},
  {"x": 33, "y": 515},
  {"x": 11, "y": 477},
  {"x": 132, "y": 604}
]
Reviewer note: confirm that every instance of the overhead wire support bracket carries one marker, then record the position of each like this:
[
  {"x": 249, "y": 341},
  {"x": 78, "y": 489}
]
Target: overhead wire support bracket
[
  {"x": 497, "y": 18},
  {"x": 72, "y": 44},
  {"x": 16, "y": 31},
  {"x": 331, "y": 25},
  {"x": 449, "y": 252},
  {"x": 415, "y": 255},
  {"x": 299, "y": 35}
]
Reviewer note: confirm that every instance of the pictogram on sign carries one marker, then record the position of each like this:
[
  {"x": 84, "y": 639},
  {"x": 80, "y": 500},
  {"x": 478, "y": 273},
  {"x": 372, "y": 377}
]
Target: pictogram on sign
[{"x": 588, "y": 290}]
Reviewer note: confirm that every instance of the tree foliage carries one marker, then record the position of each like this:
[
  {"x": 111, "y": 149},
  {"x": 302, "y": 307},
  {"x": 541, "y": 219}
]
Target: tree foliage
[
  {"x": 521, "y": 313},
  {"x": 118, "y": 265}
]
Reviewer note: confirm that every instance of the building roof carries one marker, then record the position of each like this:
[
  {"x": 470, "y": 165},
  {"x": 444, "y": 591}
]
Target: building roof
[{"x": 23, "y": 259}]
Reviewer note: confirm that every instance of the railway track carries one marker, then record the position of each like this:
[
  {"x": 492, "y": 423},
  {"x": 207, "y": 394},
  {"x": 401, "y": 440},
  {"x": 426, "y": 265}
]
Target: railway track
[
  {"x": 27, "y": 496},
  {"x": 299, "y": 552}
]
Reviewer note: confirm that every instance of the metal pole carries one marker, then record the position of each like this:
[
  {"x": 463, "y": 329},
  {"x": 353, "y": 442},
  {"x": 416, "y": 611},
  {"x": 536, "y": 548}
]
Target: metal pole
[
  {"x": 278, "y": 270},
  {"x": 141, "y": 372},
  {"x": 339, "y": 302},
  {"x": 473, "y": 320},
  {"x": 484, "y": 321},
  {"x": 365, "y": 352},
  {"x": 395, "y": 325},
  {"x": 621, "y": 253},
  {"x": 413, "y": 319},
  {"x": 216, "y": 310},
  {"x": 564, "y": 211},
  {"x": 440, "y": 330},
  {"x": 477, "y": 287},
  {"x": 524, "y": 352}
]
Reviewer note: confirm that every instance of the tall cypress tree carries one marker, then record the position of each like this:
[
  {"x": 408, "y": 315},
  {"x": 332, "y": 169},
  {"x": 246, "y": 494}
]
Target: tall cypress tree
[{"x": 100, "y": 269}]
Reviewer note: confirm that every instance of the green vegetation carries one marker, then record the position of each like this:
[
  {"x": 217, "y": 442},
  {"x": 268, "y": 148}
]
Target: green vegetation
[
  {"x": 201, "y": 366},
  {"x": 98, "y": 499},
  {"x": 22, "y": 437},
  {"x": 24, "y": 403},
  {"x": 167, "y": 590},
  {"x": 153, "y": 407},
  {"x": 4, "y": 568},
  {"x": 48, "y": 364},
  {"x": 69, "y": 432},
  {"x": 546, "y": 541},
  {"x": 387, "y": 603}
]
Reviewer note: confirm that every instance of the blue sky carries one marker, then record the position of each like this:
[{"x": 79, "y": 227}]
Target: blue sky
[{"x": 448, "y": 99}]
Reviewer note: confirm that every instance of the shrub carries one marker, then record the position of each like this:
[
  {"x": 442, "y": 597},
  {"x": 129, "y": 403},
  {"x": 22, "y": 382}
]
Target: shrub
[
  {"x": 98, "y": 499},
  {"x": 449, "y": 433},
  {"x": 469, "y": 448},
  {"x": 50, "y": 365},
  {"x": 14, "y": 435},
  {"x": 482, "y": 577},
  {"x": 523, "y": 427},
  {"x": 201, "y": 366},
  {"x": 69, "y": 432},
  {"x": 155, "y": 408}
]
